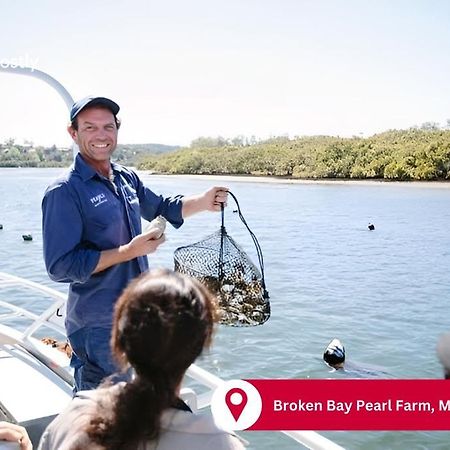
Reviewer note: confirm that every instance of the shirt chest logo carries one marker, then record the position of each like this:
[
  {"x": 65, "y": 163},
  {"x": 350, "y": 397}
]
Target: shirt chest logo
[{"x": 98, "y": 200}]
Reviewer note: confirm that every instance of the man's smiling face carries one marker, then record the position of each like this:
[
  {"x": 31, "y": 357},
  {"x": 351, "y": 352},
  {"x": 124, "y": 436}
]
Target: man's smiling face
[{"x": 96, "y": 135}]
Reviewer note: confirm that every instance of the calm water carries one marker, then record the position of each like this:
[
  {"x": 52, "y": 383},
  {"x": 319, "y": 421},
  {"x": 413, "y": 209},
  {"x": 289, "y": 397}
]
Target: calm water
[{"x": 384, "y": 293}]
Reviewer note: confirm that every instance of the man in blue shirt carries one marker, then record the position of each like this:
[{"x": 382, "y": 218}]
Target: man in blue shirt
[{"x": 92, "y": 233}]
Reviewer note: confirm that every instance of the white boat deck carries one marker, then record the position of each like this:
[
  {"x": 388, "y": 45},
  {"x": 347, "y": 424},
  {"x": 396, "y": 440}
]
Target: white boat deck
[{"x": 42, "y": 393}]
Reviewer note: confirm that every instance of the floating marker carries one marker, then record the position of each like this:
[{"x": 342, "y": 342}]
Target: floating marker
[
  {"x": 236, "y": 400},
  {"x": 371, "y": 226},
  {"x": 1, "y": 226}
]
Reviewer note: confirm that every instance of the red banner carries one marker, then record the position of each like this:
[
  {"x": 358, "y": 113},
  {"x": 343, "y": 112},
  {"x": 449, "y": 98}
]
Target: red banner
[{"x": 353, "y": 404}]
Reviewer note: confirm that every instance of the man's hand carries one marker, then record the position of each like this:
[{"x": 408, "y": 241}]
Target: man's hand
[
  {"x": 215, "y": 197},
  {"x": 211, "y": 200},
  {"x": 145, "y": 243},
  {"x": 142, "y": 244}
]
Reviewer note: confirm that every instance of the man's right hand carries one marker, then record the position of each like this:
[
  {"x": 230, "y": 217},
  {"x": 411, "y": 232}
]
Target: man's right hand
[
  {"x": 145, "y": 243},
  {"x": 141, "y": 245}
]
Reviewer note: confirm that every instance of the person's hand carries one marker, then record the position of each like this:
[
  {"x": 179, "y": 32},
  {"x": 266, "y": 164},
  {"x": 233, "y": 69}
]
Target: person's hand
[
  {"x": 15, "y": 433},
  {"x": 211, "y": 200},
  {"x": 214, "y": 198},
  {"x": 145, "y": 243},
  {"x": 141, "y": 245}
]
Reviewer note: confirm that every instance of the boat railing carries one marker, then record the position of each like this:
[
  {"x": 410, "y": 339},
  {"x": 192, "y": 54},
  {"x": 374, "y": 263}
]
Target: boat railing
[
  {"x": 51, "y": 318},
  {"x": 59, "y": 301}
]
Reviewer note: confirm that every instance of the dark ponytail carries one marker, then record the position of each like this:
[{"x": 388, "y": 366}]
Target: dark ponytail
[{"x": 162, "y": 322}]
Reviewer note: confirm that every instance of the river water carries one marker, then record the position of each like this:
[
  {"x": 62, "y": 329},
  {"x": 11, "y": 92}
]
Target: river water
[{"x": 384, "y": 293}]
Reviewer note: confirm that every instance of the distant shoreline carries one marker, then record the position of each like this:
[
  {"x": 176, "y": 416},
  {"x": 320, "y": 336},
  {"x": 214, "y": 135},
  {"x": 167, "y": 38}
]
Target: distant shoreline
[
  {"x": 276, "y": 180},
  {"x": 281, "y": 180}
]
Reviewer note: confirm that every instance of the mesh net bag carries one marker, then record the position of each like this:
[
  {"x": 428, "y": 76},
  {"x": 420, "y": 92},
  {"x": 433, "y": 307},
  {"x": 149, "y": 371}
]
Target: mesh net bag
[{"x": 223, "y": 266}]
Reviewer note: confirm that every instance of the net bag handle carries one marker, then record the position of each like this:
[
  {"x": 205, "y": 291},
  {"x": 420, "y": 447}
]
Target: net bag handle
[{"x": 223, "y": 233}]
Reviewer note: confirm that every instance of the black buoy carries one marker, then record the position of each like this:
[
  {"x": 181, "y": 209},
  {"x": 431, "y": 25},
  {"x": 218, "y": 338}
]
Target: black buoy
[
  {"x": 27, "y": 237},
  {"x": 1, "y": 226},
  {"x": 371, "y": 226},
  {"x": 334, "y": 354}
]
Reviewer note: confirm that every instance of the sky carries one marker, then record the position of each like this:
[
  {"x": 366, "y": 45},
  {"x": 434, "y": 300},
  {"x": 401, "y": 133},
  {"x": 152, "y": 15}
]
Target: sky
[{"x": 184, "y": 69}]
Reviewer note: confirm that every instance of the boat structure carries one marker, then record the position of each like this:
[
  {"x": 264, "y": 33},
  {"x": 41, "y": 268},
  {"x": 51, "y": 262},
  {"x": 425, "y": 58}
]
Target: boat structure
[{"x": 36, "y": 379}]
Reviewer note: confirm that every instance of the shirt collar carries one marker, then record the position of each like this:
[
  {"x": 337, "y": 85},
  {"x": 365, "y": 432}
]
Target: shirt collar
[
  {"x": 86, "y": 171},
  {"x": 116, "y": 167}
]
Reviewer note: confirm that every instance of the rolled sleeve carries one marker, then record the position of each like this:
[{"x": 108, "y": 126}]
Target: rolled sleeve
[
  {"x": 153, "y": 205},
  {"x": 171, "y": 209},
  {"x": 67, "y": 258}
]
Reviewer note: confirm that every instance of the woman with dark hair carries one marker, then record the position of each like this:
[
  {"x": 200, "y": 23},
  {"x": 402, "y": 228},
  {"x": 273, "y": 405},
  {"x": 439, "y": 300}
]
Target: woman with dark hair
[{"x": 162, "y": 322}]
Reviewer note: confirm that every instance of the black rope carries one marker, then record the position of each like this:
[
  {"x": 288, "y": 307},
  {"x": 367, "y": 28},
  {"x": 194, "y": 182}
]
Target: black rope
[
  {"x": 223, "y": 233},
  {"x": 255, "y": 241}
]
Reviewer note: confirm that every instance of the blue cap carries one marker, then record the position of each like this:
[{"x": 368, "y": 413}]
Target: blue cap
[{"x": 93, "y": 101}]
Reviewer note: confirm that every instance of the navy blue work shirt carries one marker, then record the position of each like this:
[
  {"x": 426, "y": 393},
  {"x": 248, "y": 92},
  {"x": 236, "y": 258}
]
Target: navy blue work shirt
[{"x": 85, "y": 213}]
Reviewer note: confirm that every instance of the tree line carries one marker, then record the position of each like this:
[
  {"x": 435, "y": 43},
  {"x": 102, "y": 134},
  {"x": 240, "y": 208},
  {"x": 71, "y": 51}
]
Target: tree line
[
  {"x": 413, "y": 154},
  {"x": 13, "y": 154},
  {"x": 27, "y": 154}
]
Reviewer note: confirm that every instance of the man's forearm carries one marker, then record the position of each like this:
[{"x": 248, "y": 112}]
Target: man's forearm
[
  {"x": 192, "y": 205},
  {"x": 211, "y": 200},
  {"x": 112, "y": 257},
  {"x": 142, "y": 244}
]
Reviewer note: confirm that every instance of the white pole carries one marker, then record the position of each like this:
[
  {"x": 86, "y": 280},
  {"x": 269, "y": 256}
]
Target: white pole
[{"x": 55, "y": 84}]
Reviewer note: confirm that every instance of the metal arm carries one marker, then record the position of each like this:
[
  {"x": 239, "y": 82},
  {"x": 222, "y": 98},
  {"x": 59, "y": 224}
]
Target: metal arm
[{"x": 55, "y": 84}]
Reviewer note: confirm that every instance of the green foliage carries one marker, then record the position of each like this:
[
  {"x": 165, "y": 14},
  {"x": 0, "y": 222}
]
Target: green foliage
[
  {"x": 414, "y": 154},
  {"x": 15, "y": 155},
  {"x": 132, "y": 154}
]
